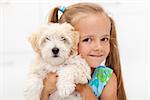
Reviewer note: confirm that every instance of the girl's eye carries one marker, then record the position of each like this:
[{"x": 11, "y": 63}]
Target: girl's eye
[
  {"x": 87, "y": 40},
  {"x": 105, "y": 39}
]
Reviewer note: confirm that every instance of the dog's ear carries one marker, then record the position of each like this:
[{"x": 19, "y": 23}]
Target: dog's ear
[
  {"x": 34, "y": 40},
  {"x": 68, "y": 26},
  {"x": 74, "y": 50}
]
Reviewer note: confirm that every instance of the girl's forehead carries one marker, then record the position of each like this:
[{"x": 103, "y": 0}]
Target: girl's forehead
[
  {"x": 94, "y": 34},
  {"x": 94, "y": 24}
]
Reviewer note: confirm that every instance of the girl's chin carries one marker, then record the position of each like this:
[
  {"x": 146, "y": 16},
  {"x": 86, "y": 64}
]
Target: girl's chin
[{"x": 95, "y": 65}]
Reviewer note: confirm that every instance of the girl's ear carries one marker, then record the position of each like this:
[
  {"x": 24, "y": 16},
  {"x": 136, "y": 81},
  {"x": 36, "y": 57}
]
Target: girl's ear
[{"x": 74, "y": 50}]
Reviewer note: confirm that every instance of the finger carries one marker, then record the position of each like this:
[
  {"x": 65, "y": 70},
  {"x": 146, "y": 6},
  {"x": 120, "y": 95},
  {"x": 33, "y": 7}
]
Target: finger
[
  {"x": 50, "y": 73},
  {"x": 52, "y": 91},
  {"x": 78, "y": 86}
]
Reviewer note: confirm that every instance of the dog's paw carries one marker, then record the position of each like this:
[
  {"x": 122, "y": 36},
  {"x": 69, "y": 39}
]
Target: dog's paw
[
  {"x": 66, "y": 90},
  {"x": 83, "y": 79},
  {"x": 33, "y": 88}
]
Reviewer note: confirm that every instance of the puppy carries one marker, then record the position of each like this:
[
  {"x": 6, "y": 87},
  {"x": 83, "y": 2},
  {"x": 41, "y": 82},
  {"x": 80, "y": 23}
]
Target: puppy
[{"x": 56, "y": 48}]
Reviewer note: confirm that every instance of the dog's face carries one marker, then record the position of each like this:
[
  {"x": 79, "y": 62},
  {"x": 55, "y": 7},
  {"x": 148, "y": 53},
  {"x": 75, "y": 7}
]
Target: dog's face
[{"x": 55, "y": 42}]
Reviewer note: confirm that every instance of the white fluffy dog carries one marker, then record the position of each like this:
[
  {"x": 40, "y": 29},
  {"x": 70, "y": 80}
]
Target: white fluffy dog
[{"x": 56, "y": 48}]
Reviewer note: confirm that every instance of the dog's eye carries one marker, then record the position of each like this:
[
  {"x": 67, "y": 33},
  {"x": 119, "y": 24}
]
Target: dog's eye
[
  {"x": 47, "y": 38},
  {"x": 63, "y": 39}
]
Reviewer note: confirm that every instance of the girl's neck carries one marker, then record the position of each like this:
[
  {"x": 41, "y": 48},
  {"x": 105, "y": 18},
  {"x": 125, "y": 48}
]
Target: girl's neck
[{"x": 92, "y": 70}]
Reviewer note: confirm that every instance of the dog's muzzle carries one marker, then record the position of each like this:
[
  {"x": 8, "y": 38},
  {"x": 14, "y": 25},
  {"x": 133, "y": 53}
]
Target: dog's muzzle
[{"x": 55, "y": 51}]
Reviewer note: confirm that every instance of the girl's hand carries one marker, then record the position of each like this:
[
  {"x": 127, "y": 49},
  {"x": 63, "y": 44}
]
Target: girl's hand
[
  {"x": 86, "y": 92},
  {"x": 49, "y": 85}
]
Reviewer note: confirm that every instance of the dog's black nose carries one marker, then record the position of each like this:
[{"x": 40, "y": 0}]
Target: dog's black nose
[{"x": 55, "y": 50}]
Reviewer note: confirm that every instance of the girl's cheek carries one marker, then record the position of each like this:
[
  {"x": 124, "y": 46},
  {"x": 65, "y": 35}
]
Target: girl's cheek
[{"x": 82, "y": 49}]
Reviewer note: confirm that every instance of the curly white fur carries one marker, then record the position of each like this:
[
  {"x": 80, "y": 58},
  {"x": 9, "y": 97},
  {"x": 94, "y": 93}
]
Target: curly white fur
[{"x": 56, "y": 48}]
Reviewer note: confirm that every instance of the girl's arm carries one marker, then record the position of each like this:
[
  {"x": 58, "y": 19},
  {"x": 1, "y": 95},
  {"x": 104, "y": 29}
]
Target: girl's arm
[
  {"x": 44, "y": 95},
  {"x": 86, "y": 92},
  {"x": 110, "y": 90},
  {"x": 49, "y": 86}
]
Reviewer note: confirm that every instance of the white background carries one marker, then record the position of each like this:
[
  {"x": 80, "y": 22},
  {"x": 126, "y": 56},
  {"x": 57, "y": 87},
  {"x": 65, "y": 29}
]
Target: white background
[{"x": 18, "y": 18}]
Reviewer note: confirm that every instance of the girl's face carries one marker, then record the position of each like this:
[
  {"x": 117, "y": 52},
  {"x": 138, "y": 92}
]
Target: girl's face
[{"x": 94, "y": 43}]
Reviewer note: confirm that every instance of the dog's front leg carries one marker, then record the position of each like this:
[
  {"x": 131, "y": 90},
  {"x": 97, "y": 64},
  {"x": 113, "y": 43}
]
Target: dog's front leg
[
  {"x": 83, "y": 71},
  {"x": 65, "y": 83},
  {"x": 33, "y": 88}
]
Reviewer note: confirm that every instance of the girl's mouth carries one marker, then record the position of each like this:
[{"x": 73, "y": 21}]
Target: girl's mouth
[{"x": 95, "y": 55}]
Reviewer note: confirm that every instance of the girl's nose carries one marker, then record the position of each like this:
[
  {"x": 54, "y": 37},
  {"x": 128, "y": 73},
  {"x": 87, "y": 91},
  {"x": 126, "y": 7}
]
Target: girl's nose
[{"x": 97, "y": 45}]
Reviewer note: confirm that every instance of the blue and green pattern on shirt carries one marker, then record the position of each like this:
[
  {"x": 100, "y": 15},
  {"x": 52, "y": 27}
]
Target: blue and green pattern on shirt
[{"x": 99, "y": 79}]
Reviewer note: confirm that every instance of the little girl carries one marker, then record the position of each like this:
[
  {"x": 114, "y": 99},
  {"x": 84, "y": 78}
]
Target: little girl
[{"x": 98, "y": 43}]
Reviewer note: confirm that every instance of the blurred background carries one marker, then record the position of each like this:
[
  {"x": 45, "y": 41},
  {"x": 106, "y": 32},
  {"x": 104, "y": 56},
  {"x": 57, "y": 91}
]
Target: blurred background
[{"x": 19, "y": 18}]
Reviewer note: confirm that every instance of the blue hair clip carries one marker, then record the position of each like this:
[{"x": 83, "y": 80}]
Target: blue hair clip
[{"x": 62, "y": 9}]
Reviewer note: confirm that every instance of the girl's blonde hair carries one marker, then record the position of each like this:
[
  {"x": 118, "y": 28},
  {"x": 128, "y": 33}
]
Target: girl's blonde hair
[{"x": 73, "y": 14}]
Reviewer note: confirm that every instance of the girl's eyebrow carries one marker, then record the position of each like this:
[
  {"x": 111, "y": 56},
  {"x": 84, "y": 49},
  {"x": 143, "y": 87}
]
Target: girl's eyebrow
[
  {"x": 105, "y": 35},
  {"x": 87, "y": 36}
]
